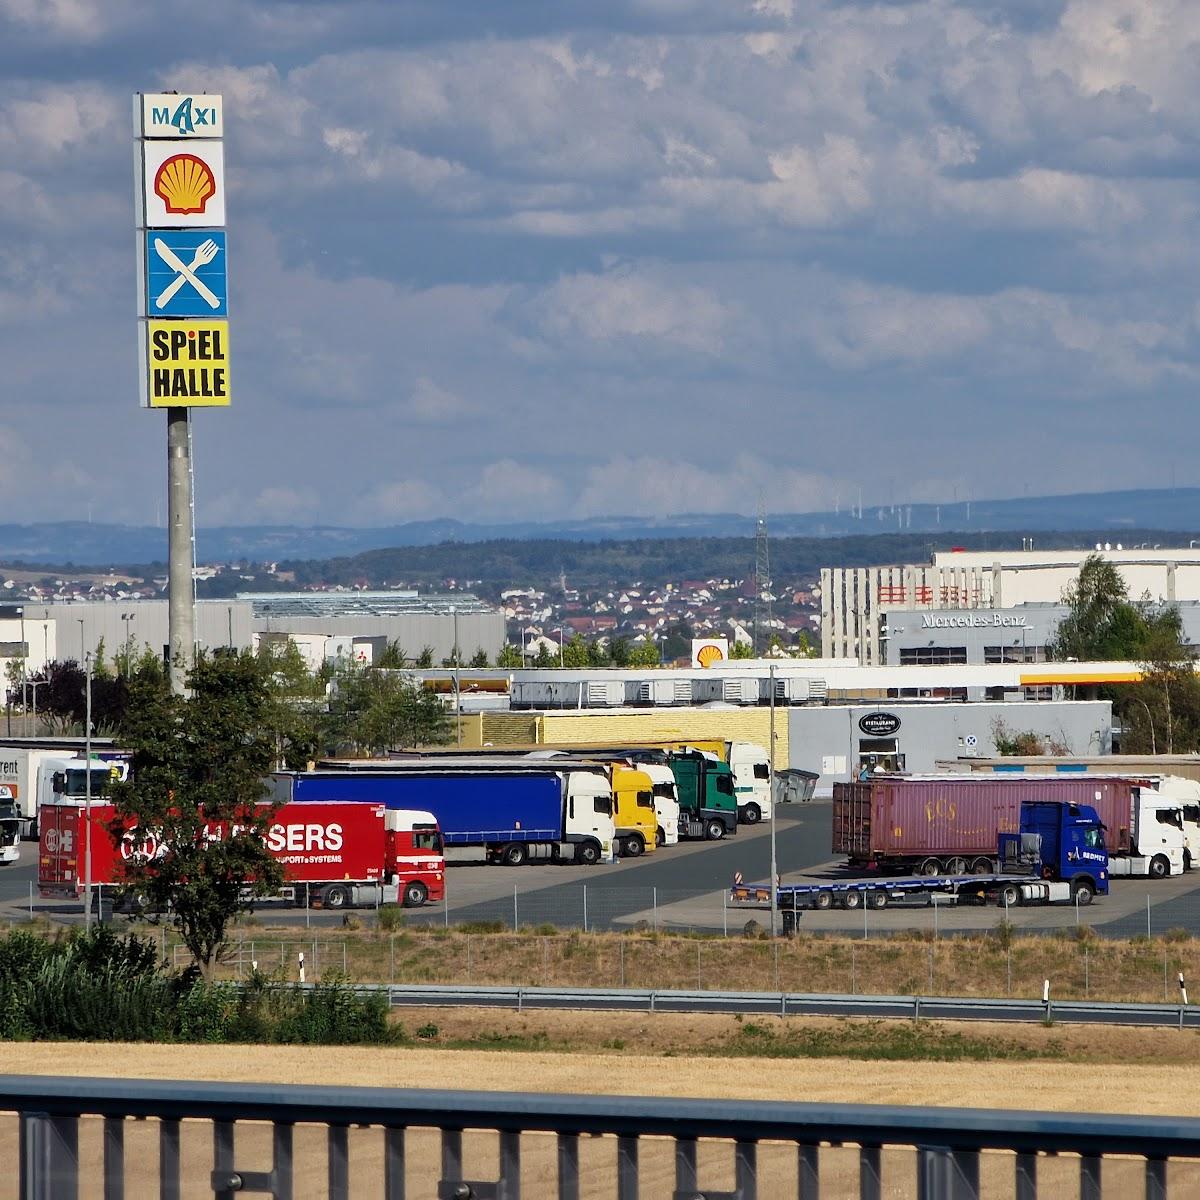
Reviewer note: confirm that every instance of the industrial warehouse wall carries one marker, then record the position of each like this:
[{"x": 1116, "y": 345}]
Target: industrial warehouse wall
[{"x": 626, "y": 725}]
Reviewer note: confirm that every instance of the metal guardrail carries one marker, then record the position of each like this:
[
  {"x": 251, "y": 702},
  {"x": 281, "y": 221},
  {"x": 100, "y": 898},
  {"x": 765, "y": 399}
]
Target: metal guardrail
[
  {"x": 788, "y": 1004},
  {"x": 946, "y": 1143}
]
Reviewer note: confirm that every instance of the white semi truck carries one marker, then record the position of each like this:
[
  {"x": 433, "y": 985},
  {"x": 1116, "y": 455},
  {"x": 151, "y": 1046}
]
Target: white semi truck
[{"x": 43, "y": 769}]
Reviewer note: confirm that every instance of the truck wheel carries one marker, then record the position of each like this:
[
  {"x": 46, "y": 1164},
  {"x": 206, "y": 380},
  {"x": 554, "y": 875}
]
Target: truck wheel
[
  {"x": 635, "y": 846},
  {"x": 335, "y": 896},
  {"x": 930, "y": 866},
  {"x": 415, "y": 894},
  {"x": 1009, "y": 896},
  {"x": 1187, "y": 860},
  {"x": 751, "y": 814},
  {"x": 851, "y": 900},
  {"x": 1160, "y": 867},
  {"x": 983, "y": 866},
  {"x": 660, "y": 838},
  {"x": 515, "y": 854},
  {"x": 823, "y": 900},
  {"x": 956, "y": 866},
  {"x": 714, "y": 830},
  {"x": 587, "y": 853},
  {"x": 877, "y": 899},
  {"x": 1082, "y": 892}
]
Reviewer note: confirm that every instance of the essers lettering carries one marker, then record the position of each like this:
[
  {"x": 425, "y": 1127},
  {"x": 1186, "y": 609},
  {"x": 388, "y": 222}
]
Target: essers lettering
[{"x": 299, "y": 839}]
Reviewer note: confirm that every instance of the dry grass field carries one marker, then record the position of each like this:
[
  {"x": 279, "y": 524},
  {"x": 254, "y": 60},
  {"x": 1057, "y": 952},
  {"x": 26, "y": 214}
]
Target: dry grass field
[
  {"x": 1041, "y": 1068},
  {"x": 1079, "y": 964}
]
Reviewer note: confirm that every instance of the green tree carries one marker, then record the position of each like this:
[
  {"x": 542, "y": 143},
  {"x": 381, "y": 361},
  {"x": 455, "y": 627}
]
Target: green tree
[
  {"x": 479, "y": 659},
  {"x": 1169, "y": 693},
  {"x": 198, "y": 769},
  {"x": 425, "y": 658},
  {"x": 509, "y": 659},
  {"x": 644, "y": 653},
  {"x": 618, "y": 651},
  {"x": 741, "y": 650},
  {"x": 543, "y": 658},
  {"x": 575, "y": 653},
  {"x": 1102, "y": 624},
  {"x": 805, "y": 647},
  {"x": 393, "y": 657},
  {"x": 377, "y": 711},
  {"x": 297, "y": 702}
]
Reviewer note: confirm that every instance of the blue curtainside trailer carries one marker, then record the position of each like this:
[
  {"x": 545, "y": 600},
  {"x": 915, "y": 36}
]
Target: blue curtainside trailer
[{"x": 511, "y": 816}]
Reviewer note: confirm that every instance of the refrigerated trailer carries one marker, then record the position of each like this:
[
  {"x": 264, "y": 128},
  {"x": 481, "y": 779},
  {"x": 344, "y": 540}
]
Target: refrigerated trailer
[
  {"x": 947, "y": 824},
  {"x": 29, "y": 766},
  {"x": 333, "y": 855}
]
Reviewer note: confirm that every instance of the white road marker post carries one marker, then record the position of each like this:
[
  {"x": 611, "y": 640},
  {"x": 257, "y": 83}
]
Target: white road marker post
[{"x": 300, "y": 960}]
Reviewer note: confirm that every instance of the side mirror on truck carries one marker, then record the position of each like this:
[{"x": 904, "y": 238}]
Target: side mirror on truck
[{"x": 58, "y": 782}]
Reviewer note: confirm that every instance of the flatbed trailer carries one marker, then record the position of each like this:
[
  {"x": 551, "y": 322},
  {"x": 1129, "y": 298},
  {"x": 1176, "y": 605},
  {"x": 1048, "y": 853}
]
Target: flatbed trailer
[{"x": 1009, "y": 891}]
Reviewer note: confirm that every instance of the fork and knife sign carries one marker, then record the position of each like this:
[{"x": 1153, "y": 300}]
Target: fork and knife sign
[{"x": 186, "y": 272}]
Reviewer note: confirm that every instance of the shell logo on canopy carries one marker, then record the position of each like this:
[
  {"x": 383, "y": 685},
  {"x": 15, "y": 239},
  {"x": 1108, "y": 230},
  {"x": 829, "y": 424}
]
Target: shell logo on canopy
[{"x": 185, "y": 184}]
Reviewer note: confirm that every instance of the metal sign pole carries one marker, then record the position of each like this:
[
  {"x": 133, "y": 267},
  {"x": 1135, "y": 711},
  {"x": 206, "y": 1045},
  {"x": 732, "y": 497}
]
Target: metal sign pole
[
  {"x": 181, "y": 614},
  {"x": 87, "y": 793},
  {"x": 774, "y": 865}
]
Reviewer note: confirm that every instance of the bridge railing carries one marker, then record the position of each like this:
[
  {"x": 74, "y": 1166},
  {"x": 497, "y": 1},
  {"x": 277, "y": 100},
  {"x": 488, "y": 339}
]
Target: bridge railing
[{"x": 941, "y": 1149}]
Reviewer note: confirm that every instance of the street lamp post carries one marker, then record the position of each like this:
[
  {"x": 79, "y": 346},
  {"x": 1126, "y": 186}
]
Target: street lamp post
[
  {"x": 774, "y": 865},
  {"x": 82, "y": 647},
  {"x": 457, "y": 692},
  {"x": 34, "y": 684},
  {"x": 87, "y": 792},
  {"x": 126, "y": 618},
  {"x": 561, "y": 659}
]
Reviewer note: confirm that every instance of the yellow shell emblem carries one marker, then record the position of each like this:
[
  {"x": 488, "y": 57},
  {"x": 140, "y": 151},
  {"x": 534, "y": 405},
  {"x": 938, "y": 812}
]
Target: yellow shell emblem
[
  {"x": 709, "y": 655},
  {"x": 184, "y": 183}
]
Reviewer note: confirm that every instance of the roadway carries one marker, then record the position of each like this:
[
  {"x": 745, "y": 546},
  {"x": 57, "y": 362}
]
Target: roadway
[{"x": 685, "y": 887}]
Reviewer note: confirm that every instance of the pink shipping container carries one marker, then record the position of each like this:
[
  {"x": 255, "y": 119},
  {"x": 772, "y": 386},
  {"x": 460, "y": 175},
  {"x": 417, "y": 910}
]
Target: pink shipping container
[{"x": 927, "y": 823}]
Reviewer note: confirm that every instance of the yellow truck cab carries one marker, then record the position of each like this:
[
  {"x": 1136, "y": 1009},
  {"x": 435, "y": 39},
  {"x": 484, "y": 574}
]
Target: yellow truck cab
[{"x": 633, "y": 811}]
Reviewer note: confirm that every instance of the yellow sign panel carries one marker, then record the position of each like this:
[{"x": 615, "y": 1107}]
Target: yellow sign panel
[{"x": 187, "y": 364}]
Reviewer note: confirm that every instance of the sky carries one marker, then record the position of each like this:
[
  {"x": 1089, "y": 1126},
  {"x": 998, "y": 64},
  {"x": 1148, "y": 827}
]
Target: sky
[{"x": 544, "y": 260}]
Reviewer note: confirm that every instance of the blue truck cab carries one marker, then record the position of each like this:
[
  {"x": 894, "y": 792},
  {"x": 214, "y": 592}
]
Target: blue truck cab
[{"x": 1062, "y": 843}]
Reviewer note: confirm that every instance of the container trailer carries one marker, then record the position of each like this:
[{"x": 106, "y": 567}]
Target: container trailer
[
  {"x": 945, "y": 824},
  {"x": 1057, "y": 855}
]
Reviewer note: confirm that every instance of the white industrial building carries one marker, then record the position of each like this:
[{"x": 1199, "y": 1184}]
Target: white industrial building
[
  {"x": 856, "y": 602},
  {"x": 322, "y": 625}
]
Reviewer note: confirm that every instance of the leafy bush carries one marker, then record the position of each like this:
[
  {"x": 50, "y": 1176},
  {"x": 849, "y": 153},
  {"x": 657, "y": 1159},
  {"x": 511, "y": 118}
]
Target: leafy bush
[{"x": 100, "y": 986}]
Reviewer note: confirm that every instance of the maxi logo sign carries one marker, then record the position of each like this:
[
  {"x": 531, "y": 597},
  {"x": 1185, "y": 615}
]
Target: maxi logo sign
[
  {"x": 187, "y": 364},
  {"x": 167, "y": 115},
  {"x": 185, "y": 273}
]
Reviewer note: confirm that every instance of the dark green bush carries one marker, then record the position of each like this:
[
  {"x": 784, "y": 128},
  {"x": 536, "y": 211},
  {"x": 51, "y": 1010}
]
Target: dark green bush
[{"x": 99, "y": 986}]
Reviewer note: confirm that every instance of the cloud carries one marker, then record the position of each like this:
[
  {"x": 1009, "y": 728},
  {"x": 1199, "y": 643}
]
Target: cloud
[{"x": 498, "y": 261}]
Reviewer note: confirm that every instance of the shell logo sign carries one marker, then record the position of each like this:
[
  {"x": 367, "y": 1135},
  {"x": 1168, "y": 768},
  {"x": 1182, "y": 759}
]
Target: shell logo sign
[
  {"x": 707, "y": 652},
  {"x": 183, "y": 187},
  {"x": 184, "y": 183}
]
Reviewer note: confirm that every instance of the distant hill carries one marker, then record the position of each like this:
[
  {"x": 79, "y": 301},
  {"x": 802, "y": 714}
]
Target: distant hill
[{"x": 1112, "y": 515}]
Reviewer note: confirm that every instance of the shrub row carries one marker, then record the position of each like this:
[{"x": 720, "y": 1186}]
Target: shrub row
[{"x": 98, "y": 986}]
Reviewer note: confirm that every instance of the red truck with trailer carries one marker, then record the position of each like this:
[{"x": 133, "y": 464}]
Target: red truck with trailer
[
  {"x": 949, "y": 824},
  {"x": 334, "y": 855}
]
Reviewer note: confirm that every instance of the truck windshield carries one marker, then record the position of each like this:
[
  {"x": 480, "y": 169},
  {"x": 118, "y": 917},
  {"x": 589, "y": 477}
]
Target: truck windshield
[
  {"x": 665, "y": 790},
  {"x": 427, "y": 839},
  {"x": 645, "y": 799},
  {"x": 77, "y": 783}
]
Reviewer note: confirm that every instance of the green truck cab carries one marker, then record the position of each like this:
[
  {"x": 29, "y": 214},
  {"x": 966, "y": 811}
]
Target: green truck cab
[{"x": 707, "y": 797}]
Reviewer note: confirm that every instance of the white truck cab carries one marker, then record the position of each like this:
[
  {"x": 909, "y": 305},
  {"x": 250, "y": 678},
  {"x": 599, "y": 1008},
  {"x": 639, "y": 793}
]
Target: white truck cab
[
  {"x": 751, "y": 768},
  {"x": 588, "y": 821},
  {"x": 1159, "y": 842},
  {"x": 666, "y": 803}
]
